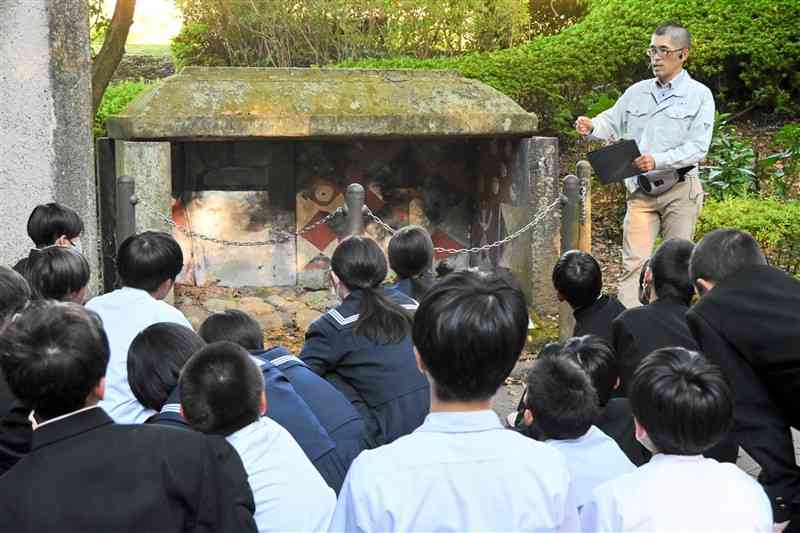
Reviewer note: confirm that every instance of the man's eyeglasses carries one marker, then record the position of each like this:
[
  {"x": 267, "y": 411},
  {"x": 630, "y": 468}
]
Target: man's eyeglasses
[{"x": 660, "y": 51}]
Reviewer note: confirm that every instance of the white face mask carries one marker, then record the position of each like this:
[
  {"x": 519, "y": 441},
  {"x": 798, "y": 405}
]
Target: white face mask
[
  {"x": 645, "y": 441},
  {"x": 76, "y": 243}
]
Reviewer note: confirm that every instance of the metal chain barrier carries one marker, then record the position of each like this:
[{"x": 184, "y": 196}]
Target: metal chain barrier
[
  {"x": 280, "y": 235},
  {"x": 476, "y": 249}
]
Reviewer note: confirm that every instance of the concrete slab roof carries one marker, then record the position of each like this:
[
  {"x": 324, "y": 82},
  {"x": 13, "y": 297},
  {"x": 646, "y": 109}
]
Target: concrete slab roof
[{"x": 293, "y": 103}]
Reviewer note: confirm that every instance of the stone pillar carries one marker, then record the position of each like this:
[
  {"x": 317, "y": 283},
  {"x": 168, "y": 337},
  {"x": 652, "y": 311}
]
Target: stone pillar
[
  {"x": 544, "y": 189},
  {"x": 45, "y": 117},
  {"x": 150, "y": 165}
]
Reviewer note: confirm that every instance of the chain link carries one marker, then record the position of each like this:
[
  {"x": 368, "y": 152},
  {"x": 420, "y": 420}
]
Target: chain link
[
  {"x": 281, "y": 236},
  {"x": 476, "y": 249}
]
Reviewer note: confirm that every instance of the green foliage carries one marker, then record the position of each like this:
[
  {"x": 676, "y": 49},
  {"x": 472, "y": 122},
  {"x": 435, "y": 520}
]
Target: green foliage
[
  {"x": 549, "y": 17},
  {"x": 117, "y": 96},
  {"x": 775, "y": 224},
  {"x": 783, "y": 167},
  {"x": 730, "y": 170},
  {"x": 747, "y": 51},
  {"x": 98, "y": 21},
  {"x": 277, "y": 33}
]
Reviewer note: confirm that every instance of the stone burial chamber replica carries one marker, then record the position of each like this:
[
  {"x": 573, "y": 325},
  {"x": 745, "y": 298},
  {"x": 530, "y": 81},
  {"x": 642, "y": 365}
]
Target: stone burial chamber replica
[{"x": 242, "y": 154}]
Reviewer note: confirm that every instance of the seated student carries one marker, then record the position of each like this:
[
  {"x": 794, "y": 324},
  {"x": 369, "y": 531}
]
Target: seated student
[
  {"x": 461, "y": 470},
  {"x": 661, "y": 321},
  {"x": 615, "y": 418},
  {"x": 683, "y": 406},
  {"x": 155, "y": 360},
  {"x": 578, "y": 281},
  {"x": 147, "y": 264},
  {"x": 748, "y": 321},
  {"x": 560, "y": 406},
  {"x": 222, "y": 393},
  {"x": 86, "y": 473},
  {"x": 410, "y": 254},
  {"x": 58, "y": 273},
  {"x": 363, "y": 346},
  {"x": 51, "y": 224},
  {"x": 336, "y": 414},
  {"x": 15, "y": 428}
]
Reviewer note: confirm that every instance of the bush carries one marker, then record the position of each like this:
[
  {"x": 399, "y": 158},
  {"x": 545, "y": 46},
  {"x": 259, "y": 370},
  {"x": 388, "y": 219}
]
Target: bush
[
  {"x": 276, "y": 33},
  {"x": 731, "y": 162},
  {"x": 116, "y": 97},
  {"x": 747, "y": 51},
  {"x": 783, "y": 168},
  {"x": 775, "y": 224}
]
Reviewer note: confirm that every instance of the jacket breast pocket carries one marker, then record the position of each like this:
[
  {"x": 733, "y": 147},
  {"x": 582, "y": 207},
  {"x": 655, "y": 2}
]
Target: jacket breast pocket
[
  {"x": 676, "y": 122},
  {"x": 636, "y": 119}
]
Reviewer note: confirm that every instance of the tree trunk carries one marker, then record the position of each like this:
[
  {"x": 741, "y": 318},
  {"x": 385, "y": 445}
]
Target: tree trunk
[{"x": 109, "y": 56}]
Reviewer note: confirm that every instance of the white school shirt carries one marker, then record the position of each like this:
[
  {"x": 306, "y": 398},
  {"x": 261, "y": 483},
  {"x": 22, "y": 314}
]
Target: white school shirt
[
  {"x": 673, "y": 123},
  {"x": 289, "y": 493},
  {"x": 458, "y": 472},
  {"x": 125, "y": 313},
  {"x": 592, "y": 459},
  {"x": 679, "y": 493}
]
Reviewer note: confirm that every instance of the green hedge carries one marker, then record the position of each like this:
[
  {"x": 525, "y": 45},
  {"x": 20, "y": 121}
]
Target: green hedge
[
  {"x": 775, "y": 224},
  {"x": 747, "y": 51},
  {"x": 116, "y": 97}
]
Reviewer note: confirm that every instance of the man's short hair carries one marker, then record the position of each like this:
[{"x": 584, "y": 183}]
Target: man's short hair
[
  {"x": 724, "y": 252},
  {"x": 221, "y": 389},
  {"x": 147, "y": 260},
  {"x": 234, "y": 326},
  {"x": 155, "y": 359},
  {"x": 50, "y": 221},
  {"x": 469, "y": 332},
  {"x": 670, "y": 268},
  {"x": 56, "y": 271},
  {"x": 561, "y": 397},
  {"x": 14, "y": 294},
  {"x": 577, "y": 277},
  {"x": 53, "y": 355},
  {"x": 598, "y": 359},
  {"x": 682, "y": 400},
  {"x": 680, "y": 36}
]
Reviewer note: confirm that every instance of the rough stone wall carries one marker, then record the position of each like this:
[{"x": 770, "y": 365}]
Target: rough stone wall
[{"x": 45, "y": 112}]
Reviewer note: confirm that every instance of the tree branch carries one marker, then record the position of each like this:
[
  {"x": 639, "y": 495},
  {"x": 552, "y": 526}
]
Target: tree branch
[{"x": 110, "y": 54}]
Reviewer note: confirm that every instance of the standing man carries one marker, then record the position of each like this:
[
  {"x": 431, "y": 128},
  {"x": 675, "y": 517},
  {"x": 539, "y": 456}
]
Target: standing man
[{"x": 671, "y": 118}]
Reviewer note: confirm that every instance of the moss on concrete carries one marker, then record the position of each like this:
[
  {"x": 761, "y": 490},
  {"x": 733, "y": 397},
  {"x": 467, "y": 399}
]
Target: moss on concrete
[{"x": 236, "y": 102}]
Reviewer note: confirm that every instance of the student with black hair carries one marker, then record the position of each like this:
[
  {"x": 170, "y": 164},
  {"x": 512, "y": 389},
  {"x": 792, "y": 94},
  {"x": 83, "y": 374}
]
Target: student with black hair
[
  {"x": 86, "y": 473},
  {"x": 58, "y": 273},
  {"x": 335, "y": 413},
  {"x": 661, "y": 322},
  {"x": 410, "y": 254},
  {"x": 155, "y": 359},
  {"x": 222, "y": 393},
  {"x": 147, "y": 264},
  {"x": 683, "y": 406},
  {"x": 578, "y": 280},
  {"x": 747, "y": 320},
  {"x": 597, "y": 358},
  {"x": 51, "y": 224},
  {"x": 363, "y": 346},
  {"x": 15, "y": 428},
  {"x": 560, "y": 407},
  {"x": 461, "y": 470}
]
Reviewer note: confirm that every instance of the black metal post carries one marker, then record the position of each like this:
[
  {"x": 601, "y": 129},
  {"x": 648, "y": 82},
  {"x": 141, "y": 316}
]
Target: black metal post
[
  {"x": 354, "y": 200},
  {"x": 570, "y": 214},
  {"x": 126, "y": 208}
]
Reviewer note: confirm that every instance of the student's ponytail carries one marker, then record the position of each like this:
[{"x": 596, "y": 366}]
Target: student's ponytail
[
  {"x": 411, "y": 257},
  {"x": 359, "y": 264}
]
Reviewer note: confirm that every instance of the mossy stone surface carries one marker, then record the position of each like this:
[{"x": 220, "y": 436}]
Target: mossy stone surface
[{"x": 293, "y": 103}]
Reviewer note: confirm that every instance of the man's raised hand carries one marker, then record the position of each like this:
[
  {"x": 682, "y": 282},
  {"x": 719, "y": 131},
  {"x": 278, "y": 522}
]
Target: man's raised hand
[{"x": 584, "y": 125}]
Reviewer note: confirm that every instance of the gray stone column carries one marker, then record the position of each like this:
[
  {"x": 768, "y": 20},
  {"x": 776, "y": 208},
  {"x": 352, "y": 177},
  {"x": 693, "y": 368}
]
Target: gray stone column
[
  {"x": 149, "y": 164},
  {"x": 45, "y": 119},
  {"x": 544, "y": 187}
]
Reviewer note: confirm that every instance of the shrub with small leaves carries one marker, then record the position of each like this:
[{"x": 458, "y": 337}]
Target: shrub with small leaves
[{"x": 117, "y": 96}]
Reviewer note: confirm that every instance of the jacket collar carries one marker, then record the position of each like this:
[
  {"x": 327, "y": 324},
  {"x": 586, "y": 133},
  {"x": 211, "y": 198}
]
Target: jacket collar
[
  {"x": 591, "y": 308},
  {"x": 460, "y": 422},
  {"x": 70, "y": 426},
  {"x": 279, "y": 356}
]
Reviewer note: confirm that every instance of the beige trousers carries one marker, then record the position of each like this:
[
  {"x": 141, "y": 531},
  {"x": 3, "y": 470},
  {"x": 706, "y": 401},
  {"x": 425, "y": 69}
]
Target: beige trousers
[{"x": 673, "y": 214}]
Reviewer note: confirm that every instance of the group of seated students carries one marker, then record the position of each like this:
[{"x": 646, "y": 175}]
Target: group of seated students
[{"x": 117, "y": 416}]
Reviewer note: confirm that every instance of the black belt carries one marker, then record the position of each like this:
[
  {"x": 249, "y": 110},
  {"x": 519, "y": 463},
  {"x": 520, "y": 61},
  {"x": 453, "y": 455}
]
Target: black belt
[{"x": 681, "y": 172}]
